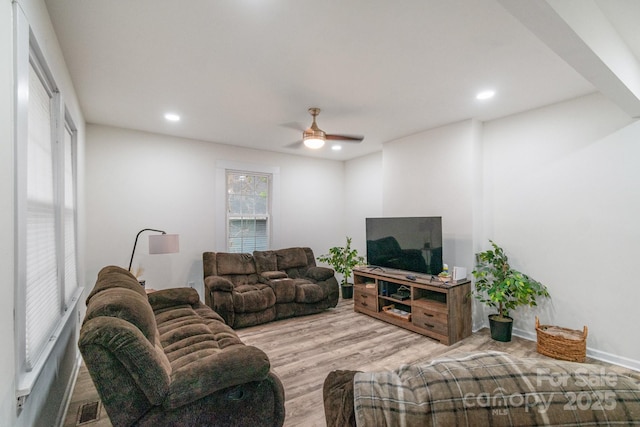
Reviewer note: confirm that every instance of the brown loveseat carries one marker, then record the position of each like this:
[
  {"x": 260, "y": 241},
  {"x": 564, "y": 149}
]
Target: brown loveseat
[
  {"x": 250, "y": 289},
  {"x": 166, "y": 359}
]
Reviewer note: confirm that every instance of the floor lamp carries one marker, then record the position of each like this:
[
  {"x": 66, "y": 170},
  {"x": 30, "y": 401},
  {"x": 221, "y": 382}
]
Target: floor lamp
[{"x": 158, "y": 243}]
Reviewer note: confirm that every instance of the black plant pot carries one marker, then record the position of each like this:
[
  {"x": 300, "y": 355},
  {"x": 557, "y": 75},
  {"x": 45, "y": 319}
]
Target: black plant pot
[
  {"x": 347, "y": 291},
  {"x": 500, "y": 327}
]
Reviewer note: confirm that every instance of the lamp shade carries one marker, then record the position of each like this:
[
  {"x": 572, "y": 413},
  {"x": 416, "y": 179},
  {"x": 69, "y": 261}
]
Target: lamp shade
[{"x": 164, "y": 243}]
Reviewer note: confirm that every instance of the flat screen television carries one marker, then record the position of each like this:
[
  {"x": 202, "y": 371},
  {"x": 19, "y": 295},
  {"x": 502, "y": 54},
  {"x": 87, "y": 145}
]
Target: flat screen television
[{"x": 405, "y": 243}]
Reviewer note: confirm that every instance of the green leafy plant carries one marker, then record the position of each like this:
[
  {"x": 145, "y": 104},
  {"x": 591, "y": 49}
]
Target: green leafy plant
[
  {"x": 342, "y": 259},
  {"x": 502, "y": 287}
]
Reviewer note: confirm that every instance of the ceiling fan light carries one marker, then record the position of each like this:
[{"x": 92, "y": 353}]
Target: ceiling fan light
[{"x": 313, "y": 143}]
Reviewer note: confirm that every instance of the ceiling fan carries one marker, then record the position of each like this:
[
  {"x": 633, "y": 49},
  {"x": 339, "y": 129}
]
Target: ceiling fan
[{"x": 314, "y": 137}]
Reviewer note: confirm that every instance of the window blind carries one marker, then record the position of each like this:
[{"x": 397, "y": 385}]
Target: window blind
[
  {"x": 42, "y": 289},
  {"x": 248, "y": 211}
]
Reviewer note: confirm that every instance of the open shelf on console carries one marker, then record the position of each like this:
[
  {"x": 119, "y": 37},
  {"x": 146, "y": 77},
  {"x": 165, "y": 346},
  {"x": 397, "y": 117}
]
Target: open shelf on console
[
  {"x": 420, "y": 294},
  {"x": 399, "y": 311}
]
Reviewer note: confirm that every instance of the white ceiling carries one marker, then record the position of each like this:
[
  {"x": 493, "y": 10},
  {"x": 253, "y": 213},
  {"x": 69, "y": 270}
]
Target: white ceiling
[{"x": 244, "y": 72}]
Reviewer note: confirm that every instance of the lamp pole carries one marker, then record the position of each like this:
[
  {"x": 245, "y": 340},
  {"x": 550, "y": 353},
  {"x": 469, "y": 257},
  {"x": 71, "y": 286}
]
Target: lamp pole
[{"x": 136, "y": 242}]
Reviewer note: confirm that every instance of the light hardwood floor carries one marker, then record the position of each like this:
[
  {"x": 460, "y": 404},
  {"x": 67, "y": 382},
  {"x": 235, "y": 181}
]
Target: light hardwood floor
[{"x": 304, "y": 350}]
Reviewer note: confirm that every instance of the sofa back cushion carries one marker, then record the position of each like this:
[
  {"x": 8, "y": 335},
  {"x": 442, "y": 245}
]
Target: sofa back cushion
[
  {"x": 113, "y": 276},
  {"x": 265, "y": 261},
  {"x": 239, "y": 269},
  {"x": 291, "y": 258},
  {"x": 229, "y": 263},
  {"x": 126, "y": 305}
]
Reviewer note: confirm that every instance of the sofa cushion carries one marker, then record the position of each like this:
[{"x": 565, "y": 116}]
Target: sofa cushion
[
  {"x": 171, "y": 297},
  {"x": 231, "y": 263},
  {"x": 236, "y": 365},
  {"x": 241, "y": 279},
  {"x": 307, "y": 292},
  {"x": 284, "y": 289},
  {"x": 186, "y": 338},
  {"x": 113, "y": 276},
  {"x": 252, "y": 298},
  {"x": 265, "y": 261},
  {"x": 205, "y": 354},
  {"x": 291, "y": 258},
  {"x": 127, "y": 305}
]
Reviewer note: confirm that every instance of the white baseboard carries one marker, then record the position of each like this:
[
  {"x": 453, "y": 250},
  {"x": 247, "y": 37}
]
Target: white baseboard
[
  {"x": 593, "y": 353},
  {"x": 68, "y": 393}
]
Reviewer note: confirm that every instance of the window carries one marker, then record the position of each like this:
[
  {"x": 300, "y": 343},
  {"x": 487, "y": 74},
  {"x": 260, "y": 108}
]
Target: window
[
  {"x": 69, "y": 209},
  {"x": 248, "y": 211},
  {"x": 42, "y": 290},
  {"x": 45, "y": 143}
]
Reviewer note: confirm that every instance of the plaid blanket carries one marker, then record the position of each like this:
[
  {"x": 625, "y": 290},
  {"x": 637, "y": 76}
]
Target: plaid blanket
[{"x": 496, "y": 389}]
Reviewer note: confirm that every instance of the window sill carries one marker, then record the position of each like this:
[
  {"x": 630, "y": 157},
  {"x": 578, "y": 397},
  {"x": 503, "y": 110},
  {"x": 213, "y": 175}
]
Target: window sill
[{"x": 25, "y": 381}]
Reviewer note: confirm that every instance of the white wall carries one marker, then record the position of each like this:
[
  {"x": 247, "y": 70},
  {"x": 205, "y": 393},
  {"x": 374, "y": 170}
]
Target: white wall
[
  {"x": 432, "y": 174},
  {"x": 141, "y": 180},
  {"x": 562, "y": 196},
  {"x": 363, "y": 196},
  {"x": 557, "y": 187}
]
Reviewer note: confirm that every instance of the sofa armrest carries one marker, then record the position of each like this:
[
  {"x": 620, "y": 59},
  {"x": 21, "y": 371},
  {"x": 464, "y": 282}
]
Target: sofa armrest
[
  {"x": 217, "y": 295},
  {"x": 217, "y": 283},
  {"x": 233, "y": 366},
  {"x": 171, "y": 297},
  {"x": 319, "y": 273},
  {"x": 116, "y": 352}
]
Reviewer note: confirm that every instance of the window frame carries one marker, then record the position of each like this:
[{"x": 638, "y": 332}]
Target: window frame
[
  {"x": 235, "y": 216},
  {"x": 28, "y": 55},
  {"x": 221, "y": 199}
]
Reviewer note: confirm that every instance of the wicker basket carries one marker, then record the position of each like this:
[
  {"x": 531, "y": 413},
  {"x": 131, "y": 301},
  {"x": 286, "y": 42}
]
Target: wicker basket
[{"x": 562, "y": 343}]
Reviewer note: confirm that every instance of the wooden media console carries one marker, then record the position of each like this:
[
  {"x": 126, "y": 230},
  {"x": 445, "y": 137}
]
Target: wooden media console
[{"x": 419, "y": 302}]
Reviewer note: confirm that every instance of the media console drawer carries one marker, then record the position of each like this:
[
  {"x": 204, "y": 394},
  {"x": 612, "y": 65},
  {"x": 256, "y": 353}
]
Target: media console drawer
[
  {"x": 363, "y": 299},
  {"x": 430, "y": 321}
]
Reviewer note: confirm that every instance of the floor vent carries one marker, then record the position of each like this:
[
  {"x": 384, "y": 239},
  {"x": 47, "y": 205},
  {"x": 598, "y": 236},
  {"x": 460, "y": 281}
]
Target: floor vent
[{"x": 88, "y": 412}]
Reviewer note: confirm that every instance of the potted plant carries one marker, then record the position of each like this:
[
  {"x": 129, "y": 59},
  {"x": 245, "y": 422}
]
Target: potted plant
[
  {"x": 343, "y": 259},
  {"x": 503, "y": 288}
]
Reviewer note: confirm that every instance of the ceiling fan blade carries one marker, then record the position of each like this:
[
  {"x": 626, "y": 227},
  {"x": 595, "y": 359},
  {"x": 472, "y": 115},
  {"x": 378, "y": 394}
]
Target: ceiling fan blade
[
  {"x": 294, "y": 125},
  {"x": 293, "y": 145},
  {"x": 347, "y": 138}
]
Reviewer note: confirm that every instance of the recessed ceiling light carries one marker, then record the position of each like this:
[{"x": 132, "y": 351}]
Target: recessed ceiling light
[
  {"x": 336, "y": 147},
  {"x": 486, "y": 94},
  {"x": 172, "y": 117}
]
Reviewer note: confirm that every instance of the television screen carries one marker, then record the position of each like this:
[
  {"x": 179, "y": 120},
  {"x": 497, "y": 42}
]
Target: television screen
[{"x": 405, "y": 243}]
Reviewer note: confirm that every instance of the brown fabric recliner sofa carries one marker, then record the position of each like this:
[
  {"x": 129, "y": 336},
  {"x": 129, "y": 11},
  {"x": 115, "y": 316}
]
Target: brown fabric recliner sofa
[
  {"x": 250, "y": 289},
  {"x": 166, "y": 359}
]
